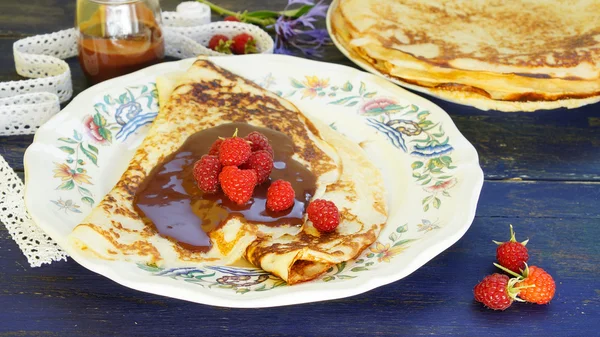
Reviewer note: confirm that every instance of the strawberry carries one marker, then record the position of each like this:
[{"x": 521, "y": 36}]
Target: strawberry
[
  {"x": 261, "y": 162},
  {"x": 323, "y": 214},
  {"x": 231, "y": 18},
  {"x": 496, "y": 291},
  {"x": 206, "y": 173},
  {"x": 243, "y": 44},
  {"x": 237, "y": 184},
  {"x": 258, "y": 142},
  {"x": 537, "y": 286},
  {"x": 214, "y": 148},
  {"x": 280, "y": 195},
  {"x": 220, "y": 43},
  {"x": 234, "y": 151},
  {"x": 512, "y": 254}
]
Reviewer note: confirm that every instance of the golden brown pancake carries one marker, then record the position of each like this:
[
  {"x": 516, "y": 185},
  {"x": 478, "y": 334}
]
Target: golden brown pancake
[
  {"x": 444, "y": 48},
  {"x": 207, "y": 96}
]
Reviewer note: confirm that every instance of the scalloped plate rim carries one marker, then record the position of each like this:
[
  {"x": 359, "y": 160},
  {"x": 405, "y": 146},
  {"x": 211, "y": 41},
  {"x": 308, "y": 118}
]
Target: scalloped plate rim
[{"x": 294, "y": 295}]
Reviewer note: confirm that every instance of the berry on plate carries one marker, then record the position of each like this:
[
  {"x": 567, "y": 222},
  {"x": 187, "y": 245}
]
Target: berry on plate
[
  {"x": 323, "y": 214},
  {"x": 258, "y": 142},
  {"x": 280, "y": 195},
  {"x": 537, "y": 286},
  {"x": 512, "y": 254},
  {"x": 220, "y": 43},
  {"x": 238, "y": 185},
  {"x": 206, "y": 173},
  {"x": 231, "y": 18},
  {"x": 234, "y": 151},
  {"x": 214, "y": 148},
  {"x": 243, "y": 44},
  {"x": 496, "y": 291},
  {"x": 261, "y": 162}
]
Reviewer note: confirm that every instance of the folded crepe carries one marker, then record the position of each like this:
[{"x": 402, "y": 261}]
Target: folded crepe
[
  {"x": 207, "y": 96},
  {"x": 503, "y": 56}
]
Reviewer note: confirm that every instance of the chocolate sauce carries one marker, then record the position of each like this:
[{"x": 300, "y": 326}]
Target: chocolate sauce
[{"x": 170, "y": 201}]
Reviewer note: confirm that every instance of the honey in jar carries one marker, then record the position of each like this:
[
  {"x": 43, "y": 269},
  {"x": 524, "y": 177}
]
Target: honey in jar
[{"x": 117, "y": 37}]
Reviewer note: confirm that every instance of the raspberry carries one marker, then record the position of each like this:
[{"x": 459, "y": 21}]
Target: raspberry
[
  {"x": 243, "y": 44},
  {"x": 512, "y": 254},
  {"x": 323, "y": 214},
  {"x": 262, "y": 162},
  {"x": 220, "y": 43},
  {"x": 259, "y": 142},
  {"x": 214, "y": 148},
  {"x": 496, "y": 291},
  {"x": 537, "y": 287},
  {"x": 231, "y": 18},
  {"x": 234, "y": 151},
  {"x": 237, "y": 184},
  {"x": 280, "y": 195},
  {"x": 206, "y": 173}
]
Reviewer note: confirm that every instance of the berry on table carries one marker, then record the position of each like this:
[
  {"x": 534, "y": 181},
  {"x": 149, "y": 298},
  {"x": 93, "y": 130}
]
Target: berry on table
[
  {"x": 537, "y": 286},
  {"x": 496, "y": 291},
  {"x": 512, "y": 254}
]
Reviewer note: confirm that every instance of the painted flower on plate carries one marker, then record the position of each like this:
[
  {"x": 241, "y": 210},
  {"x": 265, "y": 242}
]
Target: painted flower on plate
[
  {"x": 441, "y": 186},
  {"x": 376, "y": 105},
  {"x": 95, "y": 126},
  {"x": 384, "y": 252},
  {"x": 312, "y": 86},
  {"x": 65, "y": 173}
]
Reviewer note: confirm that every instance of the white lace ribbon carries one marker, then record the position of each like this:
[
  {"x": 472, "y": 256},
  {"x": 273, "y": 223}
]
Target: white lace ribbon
[{"x": 27, "y": 104}]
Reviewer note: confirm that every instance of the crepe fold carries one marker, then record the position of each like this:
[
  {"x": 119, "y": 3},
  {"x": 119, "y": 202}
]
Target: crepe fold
[
  {"x": 510, "y": 56},
  {"x": 207, "y": 96}
]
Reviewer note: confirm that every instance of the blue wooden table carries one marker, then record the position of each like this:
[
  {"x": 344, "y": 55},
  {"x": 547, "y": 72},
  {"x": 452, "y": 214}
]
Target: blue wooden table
[{"x": 542, "y": 175}]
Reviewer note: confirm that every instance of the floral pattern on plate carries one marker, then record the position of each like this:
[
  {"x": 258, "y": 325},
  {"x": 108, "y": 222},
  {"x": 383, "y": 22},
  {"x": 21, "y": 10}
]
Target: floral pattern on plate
[{"x": 122, "y": 114}]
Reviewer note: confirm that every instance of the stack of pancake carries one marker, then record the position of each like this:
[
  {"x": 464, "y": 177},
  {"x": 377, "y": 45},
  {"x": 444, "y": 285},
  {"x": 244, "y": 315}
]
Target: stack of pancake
[{"x": 521, "y": 55}]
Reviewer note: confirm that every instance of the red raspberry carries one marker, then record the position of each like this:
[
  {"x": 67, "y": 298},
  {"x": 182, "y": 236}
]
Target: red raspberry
[
  {"x": 234, "y": 151},
  {"x": 231, "y": 18},
  {"x": 280, "y": 195},
  {"x": 206, "y": 173},
  {"x": 243, "y": 44},
  {"x": 214, "y": 148},
  {"x": 238, "y": 185},
  {"x": 537, "y": 287},
  {"x": 261, "y": 162},
  {"x": 323, "y": 214},
  {"x": 259, "y": 142},
  {"x": 220, "y": 43},
  {"x": 512, "y": 254},
  {"x": 496, "y": 291}
]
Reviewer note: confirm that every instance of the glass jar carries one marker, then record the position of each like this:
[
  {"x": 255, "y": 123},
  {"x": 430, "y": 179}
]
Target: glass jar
[{"x": 117, "y": 37}]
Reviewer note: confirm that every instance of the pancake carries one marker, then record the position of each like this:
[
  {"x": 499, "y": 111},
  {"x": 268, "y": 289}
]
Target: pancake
[
  {"x": 443, "y": 48},
  {"x": 208, "y": 97}
]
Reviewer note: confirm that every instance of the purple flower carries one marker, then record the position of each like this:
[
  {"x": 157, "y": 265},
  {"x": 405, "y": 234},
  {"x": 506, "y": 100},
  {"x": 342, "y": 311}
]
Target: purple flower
[
  {"x": 300, "y": 33},
  {"x": 303, "y": 2}
]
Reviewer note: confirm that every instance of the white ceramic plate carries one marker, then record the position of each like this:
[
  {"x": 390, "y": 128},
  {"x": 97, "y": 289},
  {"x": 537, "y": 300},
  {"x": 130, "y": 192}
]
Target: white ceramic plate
[{"x": 79, "y": 154}]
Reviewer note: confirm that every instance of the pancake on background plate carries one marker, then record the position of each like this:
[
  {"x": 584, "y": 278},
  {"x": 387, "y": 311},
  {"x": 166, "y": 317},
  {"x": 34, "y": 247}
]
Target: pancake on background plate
[
  {"x": 210, "y": 101},
  {"x": 521, "y": 55}
]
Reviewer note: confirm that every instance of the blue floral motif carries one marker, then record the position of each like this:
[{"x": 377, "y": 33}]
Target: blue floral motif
[
  {"x": 431, "y": 151},
  {"x": 394, "y": 136}
]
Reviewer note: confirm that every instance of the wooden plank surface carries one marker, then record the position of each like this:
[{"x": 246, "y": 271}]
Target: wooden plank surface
[{"x": 64, "y": 299}]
